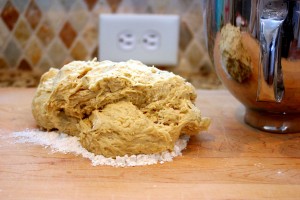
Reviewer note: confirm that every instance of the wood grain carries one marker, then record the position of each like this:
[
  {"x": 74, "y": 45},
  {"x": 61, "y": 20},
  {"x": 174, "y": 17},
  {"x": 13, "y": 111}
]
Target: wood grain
[{"x": 229, "y": 161}]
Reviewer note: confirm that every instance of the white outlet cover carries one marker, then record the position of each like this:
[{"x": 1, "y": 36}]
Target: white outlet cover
[{"x": 151, "y": 39}]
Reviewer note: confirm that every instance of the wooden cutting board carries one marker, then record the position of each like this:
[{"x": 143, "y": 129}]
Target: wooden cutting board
[{"x": 229, "y": 161}]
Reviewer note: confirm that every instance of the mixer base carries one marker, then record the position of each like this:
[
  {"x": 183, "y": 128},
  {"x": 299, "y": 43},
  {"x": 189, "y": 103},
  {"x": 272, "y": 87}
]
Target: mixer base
[{"x": 273, "y": 122}]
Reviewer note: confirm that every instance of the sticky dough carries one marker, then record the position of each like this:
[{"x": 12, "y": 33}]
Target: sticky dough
[{"x": 118, "y": 108}]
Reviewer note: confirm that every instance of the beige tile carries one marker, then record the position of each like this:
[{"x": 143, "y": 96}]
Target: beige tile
[
  {"x": 20, "y": 4},
  {"x": 100, "y": 7},
  {"x": 56, "y": 15},
  {"x": 44, "y": 65},
  {"x": 12, "y": 53},
  {"x": 79, "y": 51},
  {"x": 22, "y": 32},
  {"x": 33, "y": 51},
  {"x": 185, "y": 36},
  {"x": 193, "y": 17},
  {"x": 57, "y": 53},
  {"x": 159, "y": 7},
  {"x": 90, "y": 36},
  {"x": 194, "y": 55},
  {"x": 78, "y": 16},
  {"x": 33, "y": 14},
  {"x": 67, "y": 4},
  {"x": 4, "y": 35},
  {"x": 44, "y": 5},
  {"x": 133, "y": 6},
  {"x": 45, "y": 32}
]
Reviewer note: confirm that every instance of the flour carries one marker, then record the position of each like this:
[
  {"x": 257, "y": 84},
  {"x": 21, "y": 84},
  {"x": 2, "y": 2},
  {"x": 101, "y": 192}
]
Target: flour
[{"x": 60, "y": 142}]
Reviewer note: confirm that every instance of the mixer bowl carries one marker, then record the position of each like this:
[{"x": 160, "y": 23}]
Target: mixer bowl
[{"x": 255, "y": 48}]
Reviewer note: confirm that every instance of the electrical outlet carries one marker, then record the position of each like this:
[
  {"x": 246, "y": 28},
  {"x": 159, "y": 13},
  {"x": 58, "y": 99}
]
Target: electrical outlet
[{"x": 152, "y": 39}]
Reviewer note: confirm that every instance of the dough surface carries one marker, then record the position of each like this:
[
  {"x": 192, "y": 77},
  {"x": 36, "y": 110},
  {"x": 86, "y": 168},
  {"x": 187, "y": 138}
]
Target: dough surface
[{"x": 118, "y": 108}]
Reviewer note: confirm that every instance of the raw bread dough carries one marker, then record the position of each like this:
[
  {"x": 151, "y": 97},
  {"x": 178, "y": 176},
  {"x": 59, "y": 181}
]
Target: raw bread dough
[{"x": 118, "y": 108}]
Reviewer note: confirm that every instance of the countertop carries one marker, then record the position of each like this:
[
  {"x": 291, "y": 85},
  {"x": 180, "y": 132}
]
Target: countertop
[{"x": 229, "y": 161}]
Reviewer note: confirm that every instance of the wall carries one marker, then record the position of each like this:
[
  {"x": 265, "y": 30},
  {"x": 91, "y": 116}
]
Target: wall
[{"x": 38, "y": 34}]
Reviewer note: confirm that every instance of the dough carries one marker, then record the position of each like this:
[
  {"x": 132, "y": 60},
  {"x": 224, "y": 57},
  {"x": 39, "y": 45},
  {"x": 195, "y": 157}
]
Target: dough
[{"x": 118, "y": 108}]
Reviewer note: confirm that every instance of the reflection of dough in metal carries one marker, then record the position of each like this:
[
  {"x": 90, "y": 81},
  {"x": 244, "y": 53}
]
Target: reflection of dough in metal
[
  {"x": 238, "y": 70},
  {"x": 118, "y": 108},
  {"x": 234, "y": 55}
]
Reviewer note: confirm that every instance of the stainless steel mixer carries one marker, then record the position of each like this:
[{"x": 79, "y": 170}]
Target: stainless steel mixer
[{"x": 272, "y": 89}]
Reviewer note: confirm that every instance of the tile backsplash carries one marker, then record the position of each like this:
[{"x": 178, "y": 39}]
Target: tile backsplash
[{"x": 38, "y": 34}]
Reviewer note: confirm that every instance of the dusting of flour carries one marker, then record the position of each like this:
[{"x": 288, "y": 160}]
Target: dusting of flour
[{"x": 60, "y": 142}]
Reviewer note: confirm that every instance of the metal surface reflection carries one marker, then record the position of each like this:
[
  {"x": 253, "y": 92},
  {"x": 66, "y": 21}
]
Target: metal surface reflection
[{"x": 255, "y": 47}]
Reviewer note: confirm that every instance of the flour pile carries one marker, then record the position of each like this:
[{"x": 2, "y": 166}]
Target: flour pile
[{"x": 60, "y": 142}]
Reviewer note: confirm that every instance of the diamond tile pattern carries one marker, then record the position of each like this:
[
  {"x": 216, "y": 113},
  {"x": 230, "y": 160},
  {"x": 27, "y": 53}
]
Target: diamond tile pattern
[
  {"x": 9, "y": 15},
  {"x": 90, "y": 35},
  {"x": 114, "y": 4},
  {"x": 78, "y": 16},
  {"x": 67, "y": 34},
  {"x": 79, "y": 51},
  {"x": 56, "y": 14},
  {"x": 38, "y": 34},
  {"x": 33, "y": 51},
  {"x": 193, "y": 56},
  {"x": 12, "y": 53},
  {"x": 67, "y": 4},
  {"x": 45, "y": 33},
  {"x": 57, "y": 53},
  {"x": 90, "y": 4},
  {"x": 44, "y": 66},
  {"x": 4, "y": 34},
  {"x": 33, "y": 14},
  {"x": 193, "y": 18},
  {"x": 3, "y": 64},
  {"x": 44, "y": 5},
  {"x": 185, "y": 36},
  {"x": 20, "y": 4},
  {"x": 24, "y": 65},
  {"x": 22, "y": 32}
]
